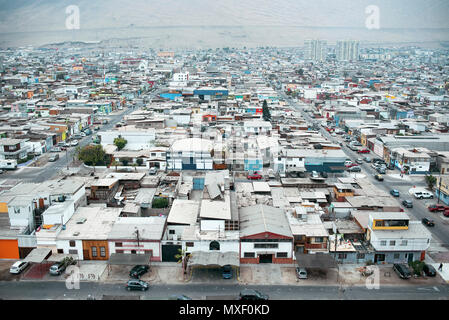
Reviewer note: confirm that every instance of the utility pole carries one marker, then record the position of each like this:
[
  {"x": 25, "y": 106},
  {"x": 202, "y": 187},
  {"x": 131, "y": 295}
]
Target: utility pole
[
  {"x": 439, "y": 188},
  {"x": 138, "y": 240}
]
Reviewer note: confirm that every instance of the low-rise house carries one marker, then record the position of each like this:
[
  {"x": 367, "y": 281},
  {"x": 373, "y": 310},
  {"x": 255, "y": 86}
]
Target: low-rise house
[
  {"x": 15, "y": 149},
  {"x": 137, "y": 235},
  {"x": 86, "y": 234},
  {"x": 265, "y": 235}
]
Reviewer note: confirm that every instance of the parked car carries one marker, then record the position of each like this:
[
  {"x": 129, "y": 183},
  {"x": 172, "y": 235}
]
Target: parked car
[
  {"x": 254, "y": 176},
  {"x": 355, "y": 169},
  {"x": 74, "y": 143},
  {"x": 363, "y": 151},
  {"x": 1, "y": 171},
  {"x": 348, "y": 163},
  {"x": 407, "y": 203},
  {"x": 379, "y": 177},
  {"x": 250, "y": 294},
  {"x": 301, "y": 273},
  {"x": 359, "y": 161},
  {"x": 53, "y": 158},
  {"x": 315, "y": 174},
  {"x": 402, "y": 270},
  {"x": 429, "y": 270},
  {"x": 152, "y": 171},
  {"x": 446, "y": 213},
  {"x": 18, "y": 267},
  {"x": 55, "y": 149},
  {"x": 394, "y": 193},
  {"x": 139, "y": 270},
  {"x": 381, "y": 170},
  {"x": 428, "y": 222},
  {"x": 136, "y": 284},
  {"x": 437, "y": 207},
  {"x": 227, "y": 272},
  {"x": 367, "y": 159},
  {"x": 324, "y": 174},
  {"x": 423, "y": 195},
  {"x": 59, "y": 267}
]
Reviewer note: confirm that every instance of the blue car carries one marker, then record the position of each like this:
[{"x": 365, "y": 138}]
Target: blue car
[
  {"x": 394, "y": 193},
  {"x": 227, "y": 272}
]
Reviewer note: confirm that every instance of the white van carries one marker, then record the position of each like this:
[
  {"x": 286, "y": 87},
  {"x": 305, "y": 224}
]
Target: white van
[
  {"x": 18, "y": 267},
  {"x": 8, "y": 164}
]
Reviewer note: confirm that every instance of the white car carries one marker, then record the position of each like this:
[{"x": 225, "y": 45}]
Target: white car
[
  {"x": 74, "y": 143},
  {"x": 18, "y": 267}
]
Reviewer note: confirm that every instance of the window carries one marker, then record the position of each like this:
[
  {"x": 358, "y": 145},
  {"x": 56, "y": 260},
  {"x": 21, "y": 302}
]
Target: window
[
  {"x": 190, "y": 244},
  {"x": 73, "y": 251},
  {"x": 281, "y": 255},
  {"x": 342, "y": 256},
  {"x": 404, "y": 242},
  {"x": 214, "y": 245},
  {"x": 102, "y": 251},
  {"x": 379, "y": 223},
  {"x": 360, "y": 256},
  {"x": 249, "y": 255},
  {"x": 119, "y": 244},
  {"x": 94, "y": 251},
  {"x": 133, "y": 251},
  {"x": 383, "y": 243},
  {"x": 392, "y": 242},
  {"x": 396, "y": 255},
  {"x": 171, "y": 231},
  {"x": 119, "y": 251},
  {"x": 72, "y": 243},
  {"x": 153, "y": 154},
  {"x": 60, "y": 251},
  {"x": 319, "y": 239}
]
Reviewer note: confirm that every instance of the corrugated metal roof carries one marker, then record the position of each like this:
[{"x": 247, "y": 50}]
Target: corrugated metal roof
[
  {"x": 261, "y": 218},
  {"x": 214, "y": 258}
]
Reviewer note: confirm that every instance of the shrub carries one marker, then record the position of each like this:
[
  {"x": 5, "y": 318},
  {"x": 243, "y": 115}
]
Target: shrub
[{"x": 160, "y": 203}]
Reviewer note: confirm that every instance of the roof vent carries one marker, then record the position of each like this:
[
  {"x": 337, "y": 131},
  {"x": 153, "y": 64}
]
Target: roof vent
[
  {"x": 81, "y": 221},
  {"x": 76, "y": 234}
]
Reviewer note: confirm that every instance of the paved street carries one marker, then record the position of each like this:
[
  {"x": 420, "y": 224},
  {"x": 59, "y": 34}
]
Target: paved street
[{"x": 57, "y": 290}]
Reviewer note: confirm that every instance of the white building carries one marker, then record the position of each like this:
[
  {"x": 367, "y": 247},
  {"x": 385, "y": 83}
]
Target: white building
[
  {"x": 137, "y": 139},
  {"x": 137, "y": 235},
  {"x": 315, "y": 50},
  {"x": 347, "y": 50},
  {"x": 190, "y": 154}
]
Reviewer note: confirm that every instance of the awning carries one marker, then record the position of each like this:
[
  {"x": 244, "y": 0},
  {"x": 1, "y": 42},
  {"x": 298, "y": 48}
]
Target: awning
[
  {"x": 129, "y": 259},
  {"x": 37, "y": 255},
  {"x": 317, "y": 260},
  {"x": 214, "y": 258}
]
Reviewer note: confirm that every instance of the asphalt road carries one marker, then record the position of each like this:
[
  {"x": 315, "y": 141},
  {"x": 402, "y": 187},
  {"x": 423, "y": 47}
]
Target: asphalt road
[
  {"x": 56, "y": 290},
  {"x": 440, "y": 233}
]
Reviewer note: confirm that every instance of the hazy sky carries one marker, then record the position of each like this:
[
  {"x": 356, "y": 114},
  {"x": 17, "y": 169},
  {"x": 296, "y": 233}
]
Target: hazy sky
[{"x": 49, "y": 15}]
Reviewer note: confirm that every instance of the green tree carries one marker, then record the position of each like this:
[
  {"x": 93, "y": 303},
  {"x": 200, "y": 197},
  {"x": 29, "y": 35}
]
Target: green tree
[
  {"x": 160, "y": 203},
  {"x": 431, "y": 181},
  {"x": 92, "y": 155},
  {"x": 139, "y": 161},
  {"x": 266, "y": 111},
  {"x": 120, "y": 143}
]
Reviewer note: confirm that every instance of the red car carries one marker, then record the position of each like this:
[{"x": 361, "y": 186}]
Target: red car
[
  {"x": 351, "y": 165},
  {"x": 446, "y": 213},
  {"x": 438, "y": 207},
  {"x": 254, "y": 176},
  {"x": 363, "y": 151}
]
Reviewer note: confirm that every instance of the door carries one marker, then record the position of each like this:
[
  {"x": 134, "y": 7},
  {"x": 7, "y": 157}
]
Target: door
[
  {"x": 41, "y": 203},
  {"x": 169, "y": 251},
  {"x": 265, "y": 258},
  {"x": 410, "y": 257},
  {"x": 379, "y": 258}
]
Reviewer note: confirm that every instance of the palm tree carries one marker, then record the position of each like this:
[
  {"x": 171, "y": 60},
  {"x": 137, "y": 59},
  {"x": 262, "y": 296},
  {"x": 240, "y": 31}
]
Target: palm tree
[{"x": 182, "y": 258}]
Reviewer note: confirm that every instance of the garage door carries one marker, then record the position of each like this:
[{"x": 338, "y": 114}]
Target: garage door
[{"x": 169, "y": 251}]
